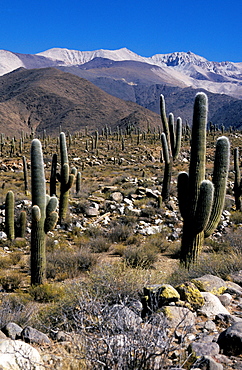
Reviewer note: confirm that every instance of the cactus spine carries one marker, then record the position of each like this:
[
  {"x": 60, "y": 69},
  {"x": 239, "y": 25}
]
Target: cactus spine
[
  {"x": 9, "y": 215},
  {"x": 66, "y": 178},
  {"x": 201, "y": 201},
  {"x": 237, "y": 180},
  {"x": 44, "y": 215}
]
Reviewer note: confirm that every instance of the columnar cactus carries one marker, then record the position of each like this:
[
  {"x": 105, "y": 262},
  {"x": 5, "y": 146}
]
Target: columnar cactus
[
  {"x": 201, "y": 201},
  {"x": 237, "y": 181},
  {"x": 78, "y": 182},
  {"x": 44, "y": 215},
  {"x": 9, "y": 215},
  {"x": 25, "y": 170},
  {"x": 22, "y": 224},
  {"x": 53, "y": 175},
  {"x": 66, "y": 178},
  {"x": 171, "y": 144}
]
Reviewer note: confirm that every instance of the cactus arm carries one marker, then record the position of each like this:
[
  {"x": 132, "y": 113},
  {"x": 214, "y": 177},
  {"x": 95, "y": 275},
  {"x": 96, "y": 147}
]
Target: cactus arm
[
  {"x": 220, "y": 175},
  {"x": 178, "y": 138},
  {"x": 182, "y": 192},
  {"x": 204, "y": 205},
  {"x": 172, "y": 132},
  {"x": 164, "y": 120}
]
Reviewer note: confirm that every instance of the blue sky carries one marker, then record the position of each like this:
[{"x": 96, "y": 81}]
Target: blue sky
[{"x": 210, "y": 28}]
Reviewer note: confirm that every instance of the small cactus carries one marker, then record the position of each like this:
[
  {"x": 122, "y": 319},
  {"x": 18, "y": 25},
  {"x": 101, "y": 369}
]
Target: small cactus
[
  {"x": 9, "y": 215},
  {"x": 237, "y": 181},
  {"x": 44, "y": 215},
  {"x": 66, "y": 178}
]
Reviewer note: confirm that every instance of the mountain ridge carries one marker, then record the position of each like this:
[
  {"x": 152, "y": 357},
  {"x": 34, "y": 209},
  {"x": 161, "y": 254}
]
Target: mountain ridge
[{"x": 180, "y": 68}]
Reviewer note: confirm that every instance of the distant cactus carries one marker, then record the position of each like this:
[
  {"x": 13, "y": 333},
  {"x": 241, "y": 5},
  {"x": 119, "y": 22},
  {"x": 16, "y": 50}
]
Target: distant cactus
[
  {"x": 9, "y": 215},
  {"x": 44, "y": 215},
  {"x": 78, "y": 182},
  {"x": 201, "y": 201},
  {"x": 66, "y": 178},
  {"x": 171, "y": 144},
  {"x": 22, "y": 224},
  {"x": 237, "y": 181},
  {"x": 25, "y": 170}
]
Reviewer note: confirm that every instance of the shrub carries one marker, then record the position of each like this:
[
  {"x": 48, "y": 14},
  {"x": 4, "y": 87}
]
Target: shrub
[
  {"x": 46, "y": 293},
  {"x": 236, "y": 217},
  {"x": 99, "y": 244},
  {"x": 142, "y": 257},
  {"x": 66, "y": 264},
  {"x": 10, "y": 282},
  {"x": 120, "y": 233}
]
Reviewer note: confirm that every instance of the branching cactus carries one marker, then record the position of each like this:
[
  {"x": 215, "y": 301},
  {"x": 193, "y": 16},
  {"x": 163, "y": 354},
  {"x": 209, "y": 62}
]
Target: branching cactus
[
  {"x": 44, "y": 215},
  {"x": 9, "y": 215},
  {"x": 237, "y": 180},
  {"x": 66, "y": 178},
  {"x": 171, "y": 144},
  {"x": 201, "y": 201}
]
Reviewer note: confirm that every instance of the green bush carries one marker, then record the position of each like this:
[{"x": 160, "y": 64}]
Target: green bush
[{"x": 46, "y": 293}]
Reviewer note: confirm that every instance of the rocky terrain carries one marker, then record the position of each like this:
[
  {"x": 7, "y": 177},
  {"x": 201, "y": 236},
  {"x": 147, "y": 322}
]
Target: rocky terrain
[{"x": 115, "y": 295}]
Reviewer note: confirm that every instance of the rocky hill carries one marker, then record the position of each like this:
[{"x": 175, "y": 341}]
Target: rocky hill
[{"x": 48, "y": 98}]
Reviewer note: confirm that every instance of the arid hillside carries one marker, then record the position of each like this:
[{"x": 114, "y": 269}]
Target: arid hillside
[{"x": 45, "y": 99}]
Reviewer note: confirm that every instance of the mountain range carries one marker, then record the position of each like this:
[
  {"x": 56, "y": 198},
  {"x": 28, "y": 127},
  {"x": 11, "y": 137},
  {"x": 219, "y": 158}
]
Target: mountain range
[{"x": 127, "y": 76}]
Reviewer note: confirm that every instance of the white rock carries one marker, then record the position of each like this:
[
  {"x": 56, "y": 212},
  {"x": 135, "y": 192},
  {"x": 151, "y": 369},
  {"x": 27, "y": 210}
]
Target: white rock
[
  {"x": 212, "y": 306},
  {"x": 16, "y": 355}
]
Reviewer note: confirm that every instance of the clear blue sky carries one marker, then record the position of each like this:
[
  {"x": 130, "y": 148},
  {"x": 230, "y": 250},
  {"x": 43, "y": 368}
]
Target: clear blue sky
[{"x": 210, "y": 28}]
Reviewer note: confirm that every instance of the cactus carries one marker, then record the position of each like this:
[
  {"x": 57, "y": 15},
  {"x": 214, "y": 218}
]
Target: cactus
[
  {"x": 171, "y": 144},
  {"x": 53, "y": 175},
  {"x": 201, "y": 201},
  {"x": 26, "y": 182},
  {"x": 22, "y": 224},
  {"x": 237, "y": 181},
  {"x": 66, "y": 178},
  {"x": 9, "y": 215},
  {"x": 44, "y": 215},
  {"x": 78, "y": 182}
]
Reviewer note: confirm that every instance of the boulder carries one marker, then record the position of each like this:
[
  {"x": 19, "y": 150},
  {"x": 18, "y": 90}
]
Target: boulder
[
  {"x": 158, "y": 295},
  {"x": 212, "y": 306},
  {"x": 225, "y": 299},
  {"x": 200, "y": 348},
  {"x": 179, "y": 317},
  {"x": 18, "y": 355},
  {"x": 12, "y": 330},
  {"x": 207, "y": 363},
  {"x": 230, "y": 340},
  {"x": 210, "y": 283},
  {"x": 117, "y": 196},
  {"x": 122, "y": 318},
  {"x": 191, "y": 294},
  {"x": 31, "y": 335}
]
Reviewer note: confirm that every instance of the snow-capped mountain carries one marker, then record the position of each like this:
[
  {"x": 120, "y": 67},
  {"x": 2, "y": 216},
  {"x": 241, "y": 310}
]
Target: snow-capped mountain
[{"x": 183, "y": 69}]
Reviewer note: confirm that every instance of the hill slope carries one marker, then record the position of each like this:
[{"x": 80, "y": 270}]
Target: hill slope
[{"x": 47, "y": 98}]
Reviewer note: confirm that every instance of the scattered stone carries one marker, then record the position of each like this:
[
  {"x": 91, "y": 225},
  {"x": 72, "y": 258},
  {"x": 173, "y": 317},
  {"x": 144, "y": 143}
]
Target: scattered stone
[
  {"x": 225, "y": 299},
  {"x": 122, "y": 318},
  {"x": 117, "y": 196},
  {"x": 158, "y": 295}
]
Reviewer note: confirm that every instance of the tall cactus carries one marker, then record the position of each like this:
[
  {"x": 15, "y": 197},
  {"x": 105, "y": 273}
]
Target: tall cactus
[
  {"x": 201, "y": 201},
  {"x": 66, "y": 178},
  {"x": 171, "y": 144},
  {"x": 44, "y": 215},
  {"x": 237, "y": 180},
  {"x": 9, "y": 215}
]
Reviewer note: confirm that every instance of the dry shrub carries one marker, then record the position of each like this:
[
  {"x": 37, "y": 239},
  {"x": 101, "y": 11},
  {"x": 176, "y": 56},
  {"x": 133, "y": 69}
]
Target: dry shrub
[
  {"x": 46, "y": 293},
  {"x": 236, "y": 217},
  {"x": 142, "y": 257},
  {"x": 68, "y": 264},
  {"x": 16, "y": 308},
  {"x": 10, "y": 282}
]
